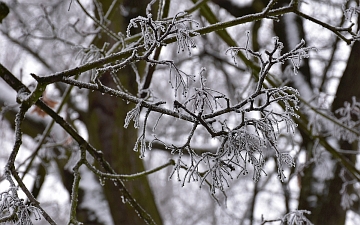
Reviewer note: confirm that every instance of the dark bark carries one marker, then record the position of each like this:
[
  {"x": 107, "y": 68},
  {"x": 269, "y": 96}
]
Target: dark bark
[
  {"x": 327, "y": 207},
  {"x": 105, "y": 123}
]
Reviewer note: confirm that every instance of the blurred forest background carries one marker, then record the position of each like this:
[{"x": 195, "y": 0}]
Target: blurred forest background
[{"x": 47, "y": 37}]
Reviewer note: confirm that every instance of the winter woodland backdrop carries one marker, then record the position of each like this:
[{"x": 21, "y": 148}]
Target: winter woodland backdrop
[{"x": 179, "y": 112}]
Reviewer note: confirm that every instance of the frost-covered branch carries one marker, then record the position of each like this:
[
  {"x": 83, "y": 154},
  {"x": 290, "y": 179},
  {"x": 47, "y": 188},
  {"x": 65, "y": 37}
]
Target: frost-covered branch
[
  {"x": 296, "y": 217},
  {"x": 244, "y": 143},
  {"x": 17, "y": 85},
  {"x": 14, "y": 205},
  {"x": 336, "y": 30}
]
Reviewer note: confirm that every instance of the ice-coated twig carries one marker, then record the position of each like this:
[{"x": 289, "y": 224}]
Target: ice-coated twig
[
  {"x": 75, "y": 187},
  {"x": 10, "y": 170}
]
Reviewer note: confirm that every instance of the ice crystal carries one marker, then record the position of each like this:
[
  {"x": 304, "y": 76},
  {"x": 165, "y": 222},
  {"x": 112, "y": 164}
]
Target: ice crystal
[
  {"x": 12, "y": 206},
  {"x": 349, "y": 12},
  {"x": 349, "y": 117},
  {"x": 204, "y": 97},
  {"x": 269, "y": 58},
  {"x": 154, "y": 32},
  {"x": 297, "y": 217},
  {"x": 179, "y": 79},
  {"x": 141, "y": 140},
  {"x": 134, "y": 115},
  {"x": 297, "y": 54}
]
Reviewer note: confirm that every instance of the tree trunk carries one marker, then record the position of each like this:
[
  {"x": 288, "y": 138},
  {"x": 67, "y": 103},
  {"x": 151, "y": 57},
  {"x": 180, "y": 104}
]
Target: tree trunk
[
  {"x": 106, "y": 128},
  {"x": 327, "y": 210}
]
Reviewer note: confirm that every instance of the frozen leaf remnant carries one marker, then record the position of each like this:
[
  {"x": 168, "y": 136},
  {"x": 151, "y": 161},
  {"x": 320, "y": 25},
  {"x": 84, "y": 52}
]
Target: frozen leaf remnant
[
  {"x": 297, "y": 217},
  {"x": 14, "y": 208},
  {"x": 349, "y": 117},
  {"x": 134, "y": 115}
]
